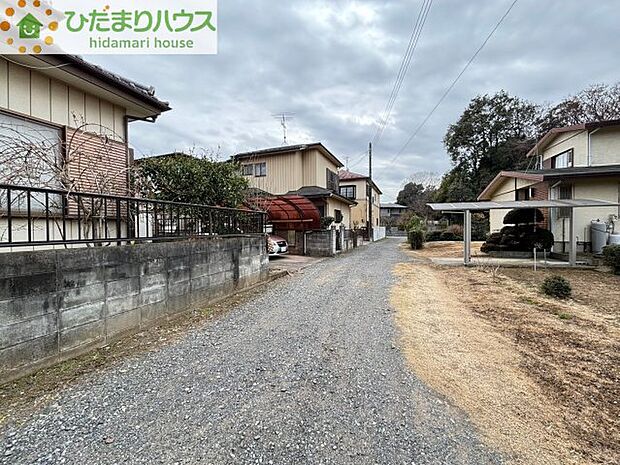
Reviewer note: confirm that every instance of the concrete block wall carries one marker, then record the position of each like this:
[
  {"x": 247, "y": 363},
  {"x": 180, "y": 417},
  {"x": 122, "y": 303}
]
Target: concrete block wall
[
  {"x": 56, "y": 304},
  {"x": 321, "y": 243},
  {"x": 378, "y": 233}
]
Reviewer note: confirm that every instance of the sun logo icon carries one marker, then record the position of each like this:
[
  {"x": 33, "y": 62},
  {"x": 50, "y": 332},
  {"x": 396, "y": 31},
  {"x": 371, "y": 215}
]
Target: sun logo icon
[{"x": 28, "y": 25}]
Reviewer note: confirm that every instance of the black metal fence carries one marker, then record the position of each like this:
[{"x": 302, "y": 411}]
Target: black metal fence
[{"x": 32, "y": 216}]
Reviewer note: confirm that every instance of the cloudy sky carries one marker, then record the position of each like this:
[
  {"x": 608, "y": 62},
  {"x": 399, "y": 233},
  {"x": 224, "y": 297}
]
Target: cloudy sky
[{"x": 332, "y": 63}]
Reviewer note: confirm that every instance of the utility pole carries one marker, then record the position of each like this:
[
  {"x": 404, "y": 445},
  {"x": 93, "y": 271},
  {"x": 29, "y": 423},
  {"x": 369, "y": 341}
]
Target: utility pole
[{"x": 369, "y": 189}]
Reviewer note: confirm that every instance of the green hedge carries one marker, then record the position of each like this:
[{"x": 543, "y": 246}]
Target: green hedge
[{"x": 611, "y": 253}]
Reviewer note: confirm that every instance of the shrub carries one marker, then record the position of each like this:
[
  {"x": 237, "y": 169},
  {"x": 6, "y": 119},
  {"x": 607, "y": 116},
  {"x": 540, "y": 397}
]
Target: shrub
[
  {"x": 455, "y": 229},
  {"x": 326, "y": 221},
  {"x": 522, "y": 238},
  {"x": 479, "y": 226},
  {"x": 415, "y": 222},
  {"x": 611, "y": 254},
  {"x": 557, "y": 286},
  {"x": 524, "y": 216},
  {"x": 433, "y": 236},
  {"x": 450, "y": 236},
  {"x": 416, "y": 238},
  {"x": 416, "y": 232}
]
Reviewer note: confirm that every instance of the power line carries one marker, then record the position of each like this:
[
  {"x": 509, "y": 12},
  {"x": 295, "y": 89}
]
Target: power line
[
  {"x": 359, "y": 158},
  {"x": 413, "y": 42},
  {"x": 458, "y": 77},
  {"x": 404, "y": 67}
]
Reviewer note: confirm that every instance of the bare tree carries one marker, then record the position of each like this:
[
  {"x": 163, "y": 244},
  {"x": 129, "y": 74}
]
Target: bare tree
[
  {"x": 428, "y": 179},
  {"x": 37, "y": 157}
]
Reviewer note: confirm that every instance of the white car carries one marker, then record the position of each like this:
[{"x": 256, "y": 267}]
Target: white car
[{"x": 276, "y": 245}]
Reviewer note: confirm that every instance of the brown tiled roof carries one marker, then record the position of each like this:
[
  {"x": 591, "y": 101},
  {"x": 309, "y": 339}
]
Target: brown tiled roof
[{"x": 345, "y": 174}]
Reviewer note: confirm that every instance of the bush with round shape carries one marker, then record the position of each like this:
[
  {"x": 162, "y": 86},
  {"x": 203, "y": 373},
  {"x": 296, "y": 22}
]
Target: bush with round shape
[
  {"x": 557, "y": 286},
  {"x": 524, "y": 216},
  {"x": 611, "y": 255}
]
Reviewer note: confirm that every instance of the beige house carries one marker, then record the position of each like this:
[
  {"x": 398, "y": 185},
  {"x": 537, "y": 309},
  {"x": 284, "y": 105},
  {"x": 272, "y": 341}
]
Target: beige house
[
  {"x": 309, "y": 170},
  {"x": 574, "y": 162},
  {"x": 365, "y": 192},
  {"x": 64, "y": 125}
]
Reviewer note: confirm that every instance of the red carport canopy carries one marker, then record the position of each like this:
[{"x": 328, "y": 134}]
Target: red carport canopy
[{"x": 288, "y": 212}]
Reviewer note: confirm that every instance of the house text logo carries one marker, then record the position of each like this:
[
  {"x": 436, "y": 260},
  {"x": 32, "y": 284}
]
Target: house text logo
[{"x": 108, "y": 27}]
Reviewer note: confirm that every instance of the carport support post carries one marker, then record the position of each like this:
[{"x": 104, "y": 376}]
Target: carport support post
[
  {"x": 572, "y": 251},
  {"x": 467, "y": 238}
]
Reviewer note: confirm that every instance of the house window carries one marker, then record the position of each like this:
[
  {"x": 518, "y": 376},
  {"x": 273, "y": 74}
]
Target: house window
[
  {"x": 260, "y": 169},
  {"x": 563, "y": 160},
  {"x": 332, "y": 180},
  {"x": 565, "y": 192},
  {"x": 348, "y": 192},
  {"x": 30, "y": 155},
  {"x": 337, "y": 216},
  {"x": 527, "y": 193},
  {"x": 247, "y": 170}
]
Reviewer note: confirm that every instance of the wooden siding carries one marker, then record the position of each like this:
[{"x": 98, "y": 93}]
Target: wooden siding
[
  {"x": 97, "y": 164},
  {"x": 31, "y": 93},
  {"x": 315, "y": 166},
  {"x": 291, "y": 171}
]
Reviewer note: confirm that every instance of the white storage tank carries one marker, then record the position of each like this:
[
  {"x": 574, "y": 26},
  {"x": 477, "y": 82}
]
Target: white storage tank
[
  {"x": 614, "y": 239},
  {"x": 598, "y": 235}
]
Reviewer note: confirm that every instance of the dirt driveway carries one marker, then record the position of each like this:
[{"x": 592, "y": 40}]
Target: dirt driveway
[{"x": 540, "y": 377}]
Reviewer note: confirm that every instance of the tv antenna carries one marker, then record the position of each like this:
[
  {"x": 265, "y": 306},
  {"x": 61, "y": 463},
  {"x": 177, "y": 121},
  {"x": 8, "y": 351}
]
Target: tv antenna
[{"x": 284, "y": 118}]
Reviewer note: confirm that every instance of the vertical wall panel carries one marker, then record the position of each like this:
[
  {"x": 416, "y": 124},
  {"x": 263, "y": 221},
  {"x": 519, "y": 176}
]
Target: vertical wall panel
[
  {"x": 4, "y": 83},
  {"x": 40, "y": 96},
  {"x": 59, "y": 103},
  {"x": 119, "y": 122},
  {"x": 93, "y": 115},
  {"x": 107, "y": 118},
  {"x": 77, "y": 111},
  {"x": 19, "y": 89}
]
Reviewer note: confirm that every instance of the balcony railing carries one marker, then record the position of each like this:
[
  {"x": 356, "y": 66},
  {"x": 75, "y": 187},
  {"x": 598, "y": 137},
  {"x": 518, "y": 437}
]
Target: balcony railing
[{"x": 32, "y": 216}]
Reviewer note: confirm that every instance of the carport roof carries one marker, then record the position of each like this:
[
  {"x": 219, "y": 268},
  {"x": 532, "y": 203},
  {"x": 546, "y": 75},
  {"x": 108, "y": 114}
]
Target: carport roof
[
  {"x": 513, "y": 204},
  {"x": 288, "y": 212}
]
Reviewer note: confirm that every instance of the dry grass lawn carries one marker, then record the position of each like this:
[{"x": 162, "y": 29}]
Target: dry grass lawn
[{"x": 539, "y": 377}]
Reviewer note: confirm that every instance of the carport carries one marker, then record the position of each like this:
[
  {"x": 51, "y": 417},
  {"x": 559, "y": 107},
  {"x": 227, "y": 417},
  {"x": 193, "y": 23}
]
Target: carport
[
  {"x": 288, "y": 212},
  {"x": 467, "y": 207}
]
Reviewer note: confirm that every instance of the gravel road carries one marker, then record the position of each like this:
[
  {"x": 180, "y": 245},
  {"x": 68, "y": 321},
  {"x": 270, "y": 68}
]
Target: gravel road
[{"x": 308, "y": 372}]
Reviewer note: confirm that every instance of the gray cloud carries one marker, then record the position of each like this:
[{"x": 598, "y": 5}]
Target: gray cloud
[{"x": 333, "y": 64}]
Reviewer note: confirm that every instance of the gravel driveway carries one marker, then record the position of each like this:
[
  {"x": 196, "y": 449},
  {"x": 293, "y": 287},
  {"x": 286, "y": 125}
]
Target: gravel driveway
[{"x": 308, "y": 372}]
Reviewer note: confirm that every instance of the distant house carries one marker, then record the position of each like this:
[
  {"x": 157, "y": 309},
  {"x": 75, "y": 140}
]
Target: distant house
[
  {"x": 308, "y": 170},
  {"x": 392, "y": 210},
  {"x": 574, "y": 162},
  {"x": 365, "y": 192}
]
